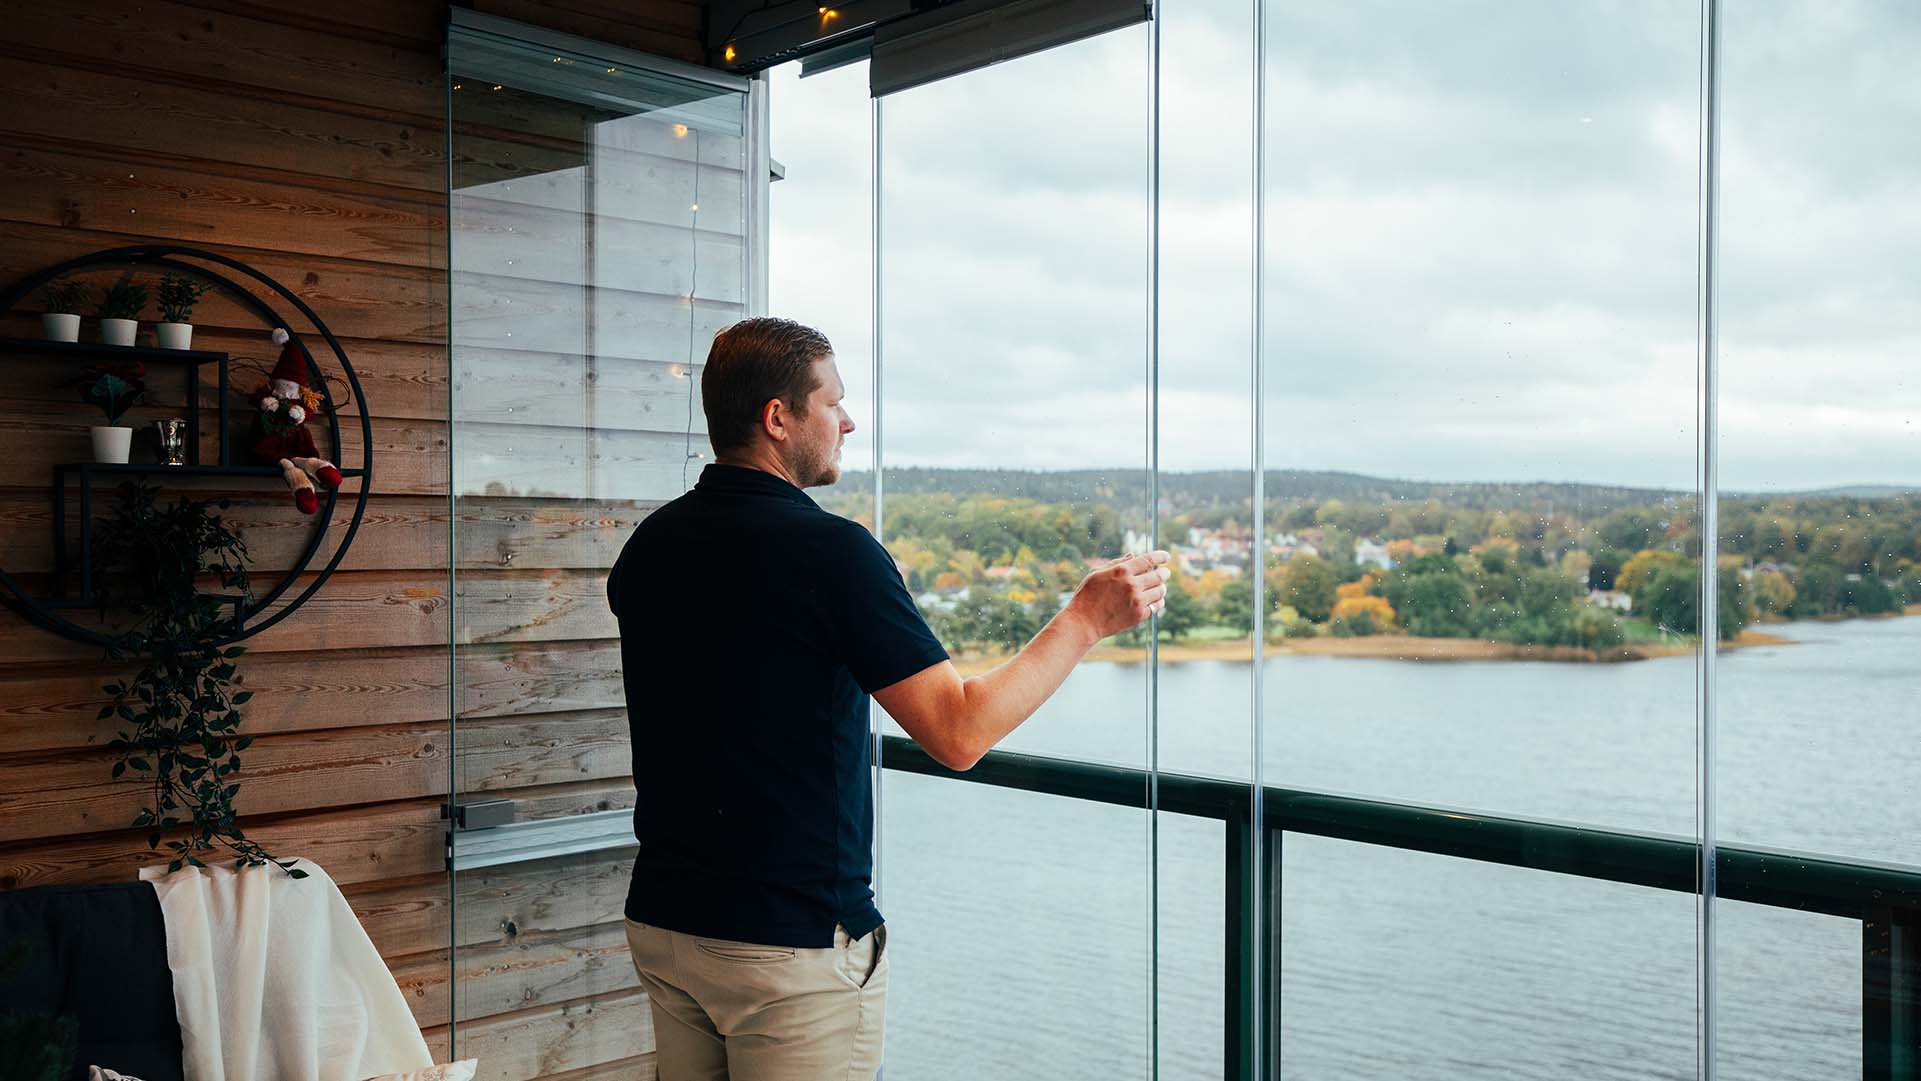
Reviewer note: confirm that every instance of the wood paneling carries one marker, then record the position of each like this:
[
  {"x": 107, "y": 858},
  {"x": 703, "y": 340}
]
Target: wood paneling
[
  {"x": 48, "y": 707},
  {"x": 308, "y": 142},
  {"x": 536, "y": 969},
  {"x": 549, "y": 1040},
  {"x": 235, "y": 49},
  {"x": 355, "y": 844},
  {"x": 88, "y": 188},
  {"x": 70, "y": 792},
  {"x": 215, "y": 125}
]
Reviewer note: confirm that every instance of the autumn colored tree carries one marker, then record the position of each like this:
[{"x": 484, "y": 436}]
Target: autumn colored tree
[{"x": 1773, "y": 593}]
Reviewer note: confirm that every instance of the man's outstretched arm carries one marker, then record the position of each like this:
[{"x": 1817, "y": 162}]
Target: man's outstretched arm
[{"x": 958, "y": 720}]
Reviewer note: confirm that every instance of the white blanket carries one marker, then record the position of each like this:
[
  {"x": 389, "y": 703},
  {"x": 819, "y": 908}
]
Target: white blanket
[{"x": 274, "y": 979}]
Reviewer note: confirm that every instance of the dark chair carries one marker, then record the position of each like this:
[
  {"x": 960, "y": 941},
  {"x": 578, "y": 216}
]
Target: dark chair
[{"x": 97, "y": 954}]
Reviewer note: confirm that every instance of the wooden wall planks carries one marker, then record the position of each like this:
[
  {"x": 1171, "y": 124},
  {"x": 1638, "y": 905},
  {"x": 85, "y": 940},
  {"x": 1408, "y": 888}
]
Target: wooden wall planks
[{"x": 308, "y": 141}]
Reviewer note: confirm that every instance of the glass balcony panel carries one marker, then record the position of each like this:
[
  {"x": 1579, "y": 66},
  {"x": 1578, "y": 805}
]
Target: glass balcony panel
[
  {"x": 1819, "y": 456},
  {"x": 1480, "y": 359},
  {"x": 1012, "y": 259}
]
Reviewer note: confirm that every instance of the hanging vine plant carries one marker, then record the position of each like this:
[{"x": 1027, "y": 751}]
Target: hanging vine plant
[{"x": 182, "y": 707}]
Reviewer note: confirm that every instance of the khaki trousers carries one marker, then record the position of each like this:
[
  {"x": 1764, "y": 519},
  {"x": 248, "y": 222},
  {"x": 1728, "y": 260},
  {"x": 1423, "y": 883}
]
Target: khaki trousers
[{"x": 730, "y": 1011}]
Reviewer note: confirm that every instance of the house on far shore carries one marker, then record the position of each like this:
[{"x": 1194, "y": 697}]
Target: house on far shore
[
  {"x": 1367, "y": 551},
  {"x": 1610, "y": 598}
]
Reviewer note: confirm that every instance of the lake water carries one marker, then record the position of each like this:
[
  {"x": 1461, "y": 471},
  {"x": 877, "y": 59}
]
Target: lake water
[{"x": 1021, "y": 924}]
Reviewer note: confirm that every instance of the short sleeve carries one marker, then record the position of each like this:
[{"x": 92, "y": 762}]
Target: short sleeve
[{"x": 871, "y": 619}]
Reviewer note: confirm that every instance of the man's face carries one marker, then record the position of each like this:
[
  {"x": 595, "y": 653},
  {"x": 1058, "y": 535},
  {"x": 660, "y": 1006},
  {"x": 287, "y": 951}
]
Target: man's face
[{"x": 813, "y": 454}]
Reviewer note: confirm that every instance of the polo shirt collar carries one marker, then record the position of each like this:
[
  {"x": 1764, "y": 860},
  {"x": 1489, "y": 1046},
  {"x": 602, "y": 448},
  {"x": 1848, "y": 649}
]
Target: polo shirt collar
[{"x": 739, "y": 479}]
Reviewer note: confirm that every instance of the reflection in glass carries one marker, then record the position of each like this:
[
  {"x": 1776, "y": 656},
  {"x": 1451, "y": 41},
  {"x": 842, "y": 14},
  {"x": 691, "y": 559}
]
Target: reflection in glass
[{"x": 597, "y": 241}]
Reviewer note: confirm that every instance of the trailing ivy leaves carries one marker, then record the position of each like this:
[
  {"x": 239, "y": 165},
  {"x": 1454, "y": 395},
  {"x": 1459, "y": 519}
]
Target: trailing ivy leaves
[{"x": 180, "y": 707}]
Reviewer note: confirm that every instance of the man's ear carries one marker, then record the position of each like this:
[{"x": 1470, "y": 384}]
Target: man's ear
[{"x": 773, "y": 419}]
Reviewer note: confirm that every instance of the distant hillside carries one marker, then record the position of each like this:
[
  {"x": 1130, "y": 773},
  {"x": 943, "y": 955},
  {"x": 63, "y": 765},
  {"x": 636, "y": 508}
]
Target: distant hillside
[
  {"x": 1851, "y": 491},
  {"x": 1284, "y": 486}
]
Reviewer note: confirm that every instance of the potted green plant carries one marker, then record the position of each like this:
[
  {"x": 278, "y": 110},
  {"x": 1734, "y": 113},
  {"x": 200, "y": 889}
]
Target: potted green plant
[
  {"x": 176, "y": 297},
  {"x": 115, "y": 388},
  {"x": 182, "y": 708},
  {"x": 120, "y": 307},
  {"x": 62, "y": 319}
]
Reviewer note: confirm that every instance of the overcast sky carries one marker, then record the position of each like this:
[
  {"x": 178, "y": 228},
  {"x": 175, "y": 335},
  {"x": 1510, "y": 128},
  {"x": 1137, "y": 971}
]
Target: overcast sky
[{"x": 1481, "y": 245}]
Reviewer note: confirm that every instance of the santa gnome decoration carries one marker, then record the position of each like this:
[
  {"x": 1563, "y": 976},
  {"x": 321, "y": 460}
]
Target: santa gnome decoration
[{"x": 280, "y": 428}]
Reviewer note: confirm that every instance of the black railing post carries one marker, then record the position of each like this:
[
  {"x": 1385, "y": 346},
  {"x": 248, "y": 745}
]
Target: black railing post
[
  {"x": 1271, "y": 951},
  {"x": 1238, "y": 1027},
  {"x": 1891, "y": 994}
]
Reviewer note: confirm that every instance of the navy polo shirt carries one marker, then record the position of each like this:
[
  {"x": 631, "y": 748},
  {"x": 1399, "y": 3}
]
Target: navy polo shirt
[{"x": 753, "y": 627}]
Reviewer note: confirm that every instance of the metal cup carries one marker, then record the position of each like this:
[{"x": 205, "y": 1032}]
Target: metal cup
[{"x": 171, "y": 435}]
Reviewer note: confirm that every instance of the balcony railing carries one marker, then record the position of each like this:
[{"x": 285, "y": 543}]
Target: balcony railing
[{"x": 1886, "y": 899}]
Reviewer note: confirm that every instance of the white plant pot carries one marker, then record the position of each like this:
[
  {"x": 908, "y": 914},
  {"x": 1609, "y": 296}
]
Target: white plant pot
[
  {"x": 175, "y": 335},
  {"x": 61, "y": 326},
  {"x": 118, "y": 331},
  {"x": 110, "y": 444}
]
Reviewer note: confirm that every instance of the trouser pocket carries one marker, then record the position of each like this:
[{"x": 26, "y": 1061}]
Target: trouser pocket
[{"x": 879, "y": 951}]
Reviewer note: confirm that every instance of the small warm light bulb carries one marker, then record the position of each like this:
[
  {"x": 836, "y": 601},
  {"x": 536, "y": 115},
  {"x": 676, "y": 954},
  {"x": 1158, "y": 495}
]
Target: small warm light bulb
[
  {"x": 613, "y": 69},
  {"x": 729, "y": 54},
  {"x": 680, "y": 131},
  {"x": 456, "y": 86},
  {"x": 496, "y": 87},
  {"x": 556, "y": 59}
]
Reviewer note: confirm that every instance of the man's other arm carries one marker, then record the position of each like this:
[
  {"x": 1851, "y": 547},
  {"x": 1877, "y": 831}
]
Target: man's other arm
[{"x": 958, "y": 720}]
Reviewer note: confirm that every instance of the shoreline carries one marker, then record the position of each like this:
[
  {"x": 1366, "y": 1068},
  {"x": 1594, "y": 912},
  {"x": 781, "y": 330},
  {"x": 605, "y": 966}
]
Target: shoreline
[{"x": 1394, "y": 647}]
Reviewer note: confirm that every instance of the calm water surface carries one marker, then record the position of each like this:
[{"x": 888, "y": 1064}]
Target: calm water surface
[{"x": 1021, "y": 923}]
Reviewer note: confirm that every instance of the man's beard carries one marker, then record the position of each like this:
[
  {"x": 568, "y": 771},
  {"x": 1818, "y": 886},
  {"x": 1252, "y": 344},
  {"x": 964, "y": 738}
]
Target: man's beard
[{"x": 816, "y": 467}]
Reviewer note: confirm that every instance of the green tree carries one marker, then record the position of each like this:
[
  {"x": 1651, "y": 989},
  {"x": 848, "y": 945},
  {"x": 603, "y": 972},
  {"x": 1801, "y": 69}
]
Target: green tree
[
  {"x": 1671, "y": 598},
  {"x": 1311, "y": 582},
  {"x": 1773, "y": 593},
  {"x": 1866, "y": 594},
  {"x": 1597, "y": 628},
  {"x": 1183, "y": 612},
  {"x": 1817, "y": 590},
  {"x": 1236, "y": 606},
  {"x": 1604, "y": 570},
  {"x": 1430, "y": 595}
]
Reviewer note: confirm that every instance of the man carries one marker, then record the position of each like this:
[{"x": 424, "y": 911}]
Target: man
[{"x": 754, "y": 625}]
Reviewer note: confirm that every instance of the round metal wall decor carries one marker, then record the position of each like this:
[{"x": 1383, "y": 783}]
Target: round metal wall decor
[{"x": 250, "y": 616}]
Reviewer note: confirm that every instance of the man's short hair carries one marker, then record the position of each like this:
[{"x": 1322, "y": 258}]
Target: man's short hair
[{"x": 751, "y": 362}]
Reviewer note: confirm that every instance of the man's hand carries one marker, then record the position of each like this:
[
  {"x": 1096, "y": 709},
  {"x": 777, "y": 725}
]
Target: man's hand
[
  {"x": 957, "y": 720},
  {"x": 1121, "y": 595}
]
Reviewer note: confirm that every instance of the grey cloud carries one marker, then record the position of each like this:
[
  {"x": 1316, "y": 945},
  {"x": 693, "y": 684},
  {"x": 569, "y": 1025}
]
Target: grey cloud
[{"x": 1465, "y": 280}]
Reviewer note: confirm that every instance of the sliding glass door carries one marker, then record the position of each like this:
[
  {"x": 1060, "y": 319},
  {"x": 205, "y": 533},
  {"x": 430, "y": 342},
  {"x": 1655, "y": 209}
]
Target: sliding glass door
[{"x": 598, "y": 240}]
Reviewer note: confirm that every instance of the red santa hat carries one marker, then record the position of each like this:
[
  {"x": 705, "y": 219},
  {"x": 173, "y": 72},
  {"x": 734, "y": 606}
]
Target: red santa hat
[{"x": 292, "y": 367}]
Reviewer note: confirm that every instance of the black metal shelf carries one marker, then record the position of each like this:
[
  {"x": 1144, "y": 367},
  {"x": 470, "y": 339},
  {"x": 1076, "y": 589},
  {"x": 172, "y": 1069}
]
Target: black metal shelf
[
  {"x": 181, "y": 470},
  {"x": 83, "y": 474},
  {"x": 297, "y": 583},
  {"x": 102, "y": 351},
  {"x": 191, "y": 359}
]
